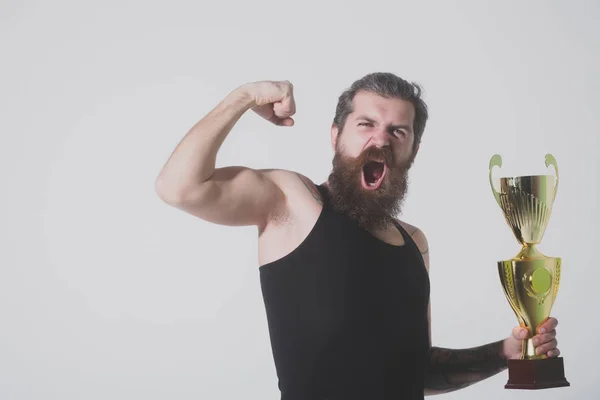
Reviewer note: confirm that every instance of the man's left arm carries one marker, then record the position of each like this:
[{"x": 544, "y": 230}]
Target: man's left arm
[{"x": 453, "y": 369}]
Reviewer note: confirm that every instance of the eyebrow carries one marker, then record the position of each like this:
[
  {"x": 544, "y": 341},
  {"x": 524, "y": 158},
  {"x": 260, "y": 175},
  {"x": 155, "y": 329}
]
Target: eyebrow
[{"x": 371, "y": 120}]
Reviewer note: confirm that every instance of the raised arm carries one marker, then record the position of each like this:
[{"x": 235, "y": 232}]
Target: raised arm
[{"x": 232, "y": 195}]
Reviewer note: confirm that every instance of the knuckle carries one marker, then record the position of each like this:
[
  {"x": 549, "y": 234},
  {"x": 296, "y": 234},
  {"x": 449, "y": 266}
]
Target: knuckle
[{"x": 288, "y": 88}]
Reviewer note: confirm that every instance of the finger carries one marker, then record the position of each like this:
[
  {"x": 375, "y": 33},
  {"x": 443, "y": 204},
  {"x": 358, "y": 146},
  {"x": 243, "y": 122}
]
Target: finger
[
  {"x": 284, "y": 122},
  {"x": 544, "y": 338},
  {"x": 285, "y": 108},
  {"x": 554, "y": 353},
  {"x": 281, "y": 121},
  {"x": 546, "y": 347},
  {"x": 520, "y": 333},
  {"x": 265, "y": 111},
  {"x": 550, "y": 324}
]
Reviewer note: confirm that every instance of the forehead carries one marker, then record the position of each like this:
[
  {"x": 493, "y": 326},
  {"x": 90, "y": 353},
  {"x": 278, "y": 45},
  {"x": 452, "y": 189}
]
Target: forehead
[{"x": 390, "y": 109}]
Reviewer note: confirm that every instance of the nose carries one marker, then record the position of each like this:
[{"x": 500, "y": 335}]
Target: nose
[{"x": 380, "y": 137}]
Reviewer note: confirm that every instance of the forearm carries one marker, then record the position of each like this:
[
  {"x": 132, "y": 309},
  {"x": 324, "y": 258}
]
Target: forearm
[
  {"x": 193, "y": 160},
  {"x": 450, "y": 369}
]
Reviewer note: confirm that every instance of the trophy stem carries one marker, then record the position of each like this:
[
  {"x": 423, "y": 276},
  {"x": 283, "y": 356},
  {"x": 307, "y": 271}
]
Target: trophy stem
[
  {"x": 529, "y": 350},
  {"x": 529, "y": 251}
]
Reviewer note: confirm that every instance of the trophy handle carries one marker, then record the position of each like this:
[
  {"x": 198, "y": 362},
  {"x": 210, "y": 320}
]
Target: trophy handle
[
  {"x": 550, "y": 160},
  {"x": 495, "y": 161}
]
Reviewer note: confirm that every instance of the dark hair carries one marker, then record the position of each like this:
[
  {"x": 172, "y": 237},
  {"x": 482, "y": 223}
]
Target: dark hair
[{"x": 387, "y": 85}]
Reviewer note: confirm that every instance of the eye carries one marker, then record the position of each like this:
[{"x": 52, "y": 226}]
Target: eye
[
  {"x": 365, "y": 124},
  {"x": 399, "y": 132}
]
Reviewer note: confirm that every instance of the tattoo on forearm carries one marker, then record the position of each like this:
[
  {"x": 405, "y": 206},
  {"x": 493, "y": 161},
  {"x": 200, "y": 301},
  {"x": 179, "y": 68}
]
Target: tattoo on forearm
[{"x": 450, "y": 370}]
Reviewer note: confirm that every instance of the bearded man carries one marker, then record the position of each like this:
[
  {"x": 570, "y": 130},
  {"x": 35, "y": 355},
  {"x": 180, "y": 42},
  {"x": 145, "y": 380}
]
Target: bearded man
[{"x": 345, "y": 282}]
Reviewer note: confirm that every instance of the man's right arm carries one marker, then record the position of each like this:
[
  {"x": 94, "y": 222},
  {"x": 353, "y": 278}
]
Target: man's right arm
[{"x": 233, "y": 195}]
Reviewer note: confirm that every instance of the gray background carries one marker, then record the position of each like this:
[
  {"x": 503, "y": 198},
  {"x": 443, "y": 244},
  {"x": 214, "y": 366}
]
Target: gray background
[{"x": 108, "y": 293}]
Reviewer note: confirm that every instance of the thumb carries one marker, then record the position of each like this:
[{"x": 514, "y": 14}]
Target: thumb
[
  {"x": 285, "y": 108},
  {"x": 283, "y": 122},
  {"x": 520, "y": 333}
]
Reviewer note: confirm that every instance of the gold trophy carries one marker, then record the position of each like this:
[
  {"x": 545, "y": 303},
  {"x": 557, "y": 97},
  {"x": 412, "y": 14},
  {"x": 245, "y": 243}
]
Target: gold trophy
[{"x": 531, "y": 279}]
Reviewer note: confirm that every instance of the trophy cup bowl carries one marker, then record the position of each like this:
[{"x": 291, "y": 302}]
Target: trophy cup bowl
[{"x": 530, "y": 280}]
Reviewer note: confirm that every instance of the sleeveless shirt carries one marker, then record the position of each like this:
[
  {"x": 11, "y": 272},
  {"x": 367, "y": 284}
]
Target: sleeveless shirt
[{"x": 347, "y": 314}]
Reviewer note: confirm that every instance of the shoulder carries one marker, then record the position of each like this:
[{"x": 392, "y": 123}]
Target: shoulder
[
  {"x": 420, "y": 239},
  {"x": 417, "y": 235},
  {"x": 285, "y": 177},
  {"x": 294, "y": 184}
]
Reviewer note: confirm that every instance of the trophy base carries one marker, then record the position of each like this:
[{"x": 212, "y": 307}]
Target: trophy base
[{"x": 536, "y": 374}]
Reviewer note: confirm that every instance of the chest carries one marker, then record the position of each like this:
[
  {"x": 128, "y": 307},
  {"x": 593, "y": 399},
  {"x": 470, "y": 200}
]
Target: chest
[{"x": 353, "y": 282}]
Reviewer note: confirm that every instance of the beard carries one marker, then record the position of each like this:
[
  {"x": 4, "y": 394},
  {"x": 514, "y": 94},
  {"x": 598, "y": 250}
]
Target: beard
[{"x": 371, "y": 209}]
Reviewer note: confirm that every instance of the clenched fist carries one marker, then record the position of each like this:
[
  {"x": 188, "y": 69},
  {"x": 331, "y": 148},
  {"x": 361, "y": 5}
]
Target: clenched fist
[
  {"x": 273, "y": 100},
  {"x": 544, "y": 340}
]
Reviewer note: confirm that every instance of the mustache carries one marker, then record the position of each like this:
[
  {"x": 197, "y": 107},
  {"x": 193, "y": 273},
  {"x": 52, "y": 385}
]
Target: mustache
[{"x": 376, "y": 153}]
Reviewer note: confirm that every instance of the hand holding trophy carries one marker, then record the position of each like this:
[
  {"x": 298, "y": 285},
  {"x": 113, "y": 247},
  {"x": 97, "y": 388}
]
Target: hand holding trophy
[{"x": 531, "y": 279}]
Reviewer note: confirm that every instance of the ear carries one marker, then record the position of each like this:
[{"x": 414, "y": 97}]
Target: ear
[
  {"x": 414, "y": 154},
  {"x": 416, "y": 150},
  {"x": 334, "y": 136}
]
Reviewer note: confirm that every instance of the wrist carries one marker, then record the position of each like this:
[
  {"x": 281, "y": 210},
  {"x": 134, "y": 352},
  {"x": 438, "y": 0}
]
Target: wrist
[
  {"x": 242, "y": 97},
  {"x": 507, "y": 350}
]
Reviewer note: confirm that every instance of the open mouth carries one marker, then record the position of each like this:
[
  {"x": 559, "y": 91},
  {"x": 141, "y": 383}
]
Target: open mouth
[{"x": 373, "y": 173}]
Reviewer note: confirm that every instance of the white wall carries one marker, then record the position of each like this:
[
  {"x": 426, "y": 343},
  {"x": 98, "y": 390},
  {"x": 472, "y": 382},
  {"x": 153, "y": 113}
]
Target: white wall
[{"x": 107, "y": 292}]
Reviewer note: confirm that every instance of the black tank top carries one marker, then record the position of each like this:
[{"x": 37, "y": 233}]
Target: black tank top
[{"x": 347, "y": 314}]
